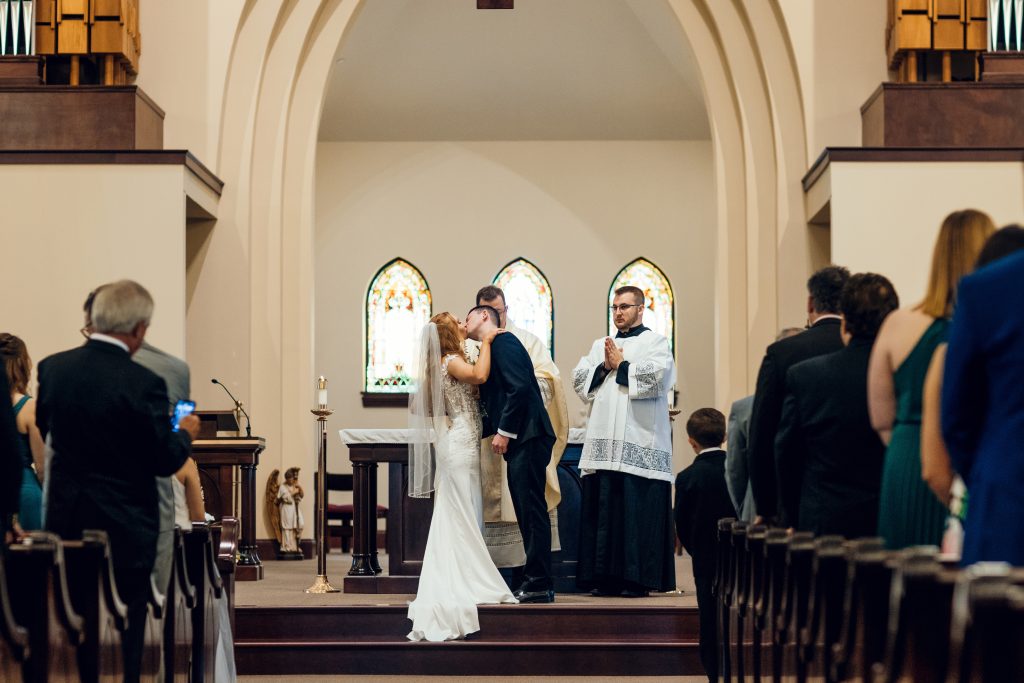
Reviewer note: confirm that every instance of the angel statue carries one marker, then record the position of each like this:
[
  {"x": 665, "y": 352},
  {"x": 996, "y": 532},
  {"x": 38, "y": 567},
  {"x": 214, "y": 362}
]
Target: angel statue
[
  {"x": 271, "y": 512},
  {"x": 289, "y": 495}
]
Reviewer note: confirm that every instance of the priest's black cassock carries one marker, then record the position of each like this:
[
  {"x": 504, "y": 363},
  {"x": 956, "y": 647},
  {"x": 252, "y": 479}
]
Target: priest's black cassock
[{"x": 626, "y": 534}]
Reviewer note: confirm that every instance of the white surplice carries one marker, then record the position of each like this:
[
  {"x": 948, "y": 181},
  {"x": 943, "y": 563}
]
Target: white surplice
[{"x": 628, "y": 429}]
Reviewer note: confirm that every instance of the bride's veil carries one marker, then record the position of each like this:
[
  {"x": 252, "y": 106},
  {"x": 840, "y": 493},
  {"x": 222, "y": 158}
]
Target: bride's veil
[{"x": 428, "y": 420}]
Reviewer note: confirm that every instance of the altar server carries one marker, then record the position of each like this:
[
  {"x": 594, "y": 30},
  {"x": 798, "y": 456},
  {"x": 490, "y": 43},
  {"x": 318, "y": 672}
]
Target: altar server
[{"x": 626, "y": 535}]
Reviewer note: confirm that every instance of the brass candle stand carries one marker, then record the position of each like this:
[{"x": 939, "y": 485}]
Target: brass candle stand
[{"x": 321, "y": 584}]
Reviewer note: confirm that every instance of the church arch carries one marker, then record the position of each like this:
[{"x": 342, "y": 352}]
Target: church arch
[{"x": 277, "y": 73}]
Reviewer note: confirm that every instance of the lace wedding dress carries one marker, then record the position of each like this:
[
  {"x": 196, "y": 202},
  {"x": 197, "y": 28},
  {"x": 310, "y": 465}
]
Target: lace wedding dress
[{"x": 458, "y": 573}]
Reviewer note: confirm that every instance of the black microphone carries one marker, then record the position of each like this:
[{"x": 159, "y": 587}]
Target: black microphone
[{"x": 238, "y": 404}]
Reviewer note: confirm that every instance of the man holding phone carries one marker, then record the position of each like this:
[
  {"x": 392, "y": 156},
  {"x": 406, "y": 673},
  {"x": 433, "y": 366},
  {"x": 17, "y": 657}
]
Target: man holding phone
[
  {"x": 108, "y": 423},
  {"x": 175, "y": 374}
]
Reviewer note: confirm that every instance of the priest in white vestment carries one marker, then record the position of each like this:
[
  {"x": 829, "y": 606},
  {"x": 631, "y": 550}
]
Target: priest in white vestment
[
  {"x": 501, "y": 530},
  {"x": 626, "y": 535}
]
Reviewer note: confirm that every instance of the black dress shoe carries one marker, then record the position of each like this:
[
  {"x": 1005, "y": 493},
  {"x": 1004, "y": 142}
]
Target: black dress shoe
[
  {"x": 629, "y": 593},
  {"x": 604, "y": 593},
  {"x": 534, "y": 596}
]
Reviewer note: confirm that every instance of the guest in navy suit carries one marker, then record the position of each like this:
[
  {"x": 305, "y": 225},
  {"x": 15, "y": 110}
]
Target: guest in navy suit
[{"x": 983, "y": 408}]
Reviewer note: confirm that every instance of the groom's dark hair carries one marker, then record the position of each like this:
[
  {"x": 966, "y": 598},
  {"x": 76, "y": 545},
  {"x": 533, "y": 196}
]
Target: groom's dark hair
[{"x": 491, "y": 313}]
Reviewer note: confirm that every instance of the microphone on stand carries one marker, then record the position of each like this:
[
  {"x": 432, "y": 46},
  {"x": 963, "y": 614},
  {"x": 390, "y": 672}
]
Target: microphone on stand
[{"x": 238, "y": 404}]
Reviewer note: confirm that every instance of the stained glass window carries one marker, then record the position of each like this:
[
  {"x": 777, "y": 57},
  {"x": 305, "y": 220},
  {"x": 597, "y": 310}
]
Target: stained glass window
[
  {"x": 660, "y": 314},
  {"x": 528, "y": 298},
  {"x": 398, "y": 305}
]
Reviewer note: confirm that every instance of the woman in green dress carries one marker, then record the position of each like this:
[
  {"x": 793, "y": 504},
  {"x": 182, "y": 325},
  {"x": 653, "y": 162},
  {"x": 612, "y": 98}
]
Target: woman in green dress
[{"x": 909, "y": 513}]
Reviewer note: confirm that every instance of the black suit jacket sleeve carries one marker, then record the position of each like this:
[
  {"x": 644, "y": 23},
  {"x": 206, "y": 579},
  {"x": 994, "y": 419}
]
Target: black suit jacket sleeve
[
  {"x": 764, "y": 419},
  {"x": 683, "y": 513},
  {"x": 517, "y": 377},
  {"x": 790, "y": 455}
]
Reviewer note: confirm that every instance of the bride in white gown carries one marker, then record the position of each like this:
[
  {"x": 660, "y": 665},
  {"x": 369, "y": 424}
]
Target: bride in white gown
[{"x": 458, "y": 573}]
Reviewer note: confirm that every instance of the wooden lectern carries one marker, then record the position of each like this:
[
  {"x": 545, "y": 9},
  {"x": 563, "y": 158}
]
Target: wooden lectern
[{"x": 227, "y": 471}]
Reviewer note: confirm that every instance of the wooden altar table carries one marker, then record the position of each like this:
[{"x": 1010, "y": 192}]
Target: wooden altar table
[{"x": 409, "y": 518}]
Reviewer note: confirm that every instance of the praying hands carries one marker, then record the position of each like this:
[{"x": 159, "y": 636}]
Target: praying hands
[{"x": 612, "y": 354}]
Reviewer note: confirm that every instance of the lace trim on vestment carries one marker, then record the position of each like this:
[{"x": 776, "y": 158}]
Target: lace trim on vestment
[
  {"x": 613, "y": 454},
  {"x": 579, "y": 380},
  {"x": 647, "y": 376}
]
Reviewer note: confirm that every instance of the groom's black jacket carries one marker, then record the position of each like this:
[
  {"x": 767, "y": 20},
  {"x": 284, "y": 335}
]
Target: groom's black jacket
[{"x": 510, "y": 397}]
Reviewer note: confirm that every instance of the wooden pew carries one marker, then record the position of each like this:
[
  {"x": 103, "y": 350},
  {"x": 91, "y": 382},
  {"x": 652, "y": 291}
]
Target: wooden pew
[
  {"x": 739, "y": 594},
  {"x": 776, "y": 546},
  {"x": 153, "y": 645},
  {"x": 722, "y": 591},
  {"x": 920, "y": 611},
  {"x": 13, "y": 638},
  {"x": 799, "y": 559},
  {"x": 42, "y": 605},
  {"x": 986, "y": 631},
  {"x": 177, "y": 623},
  {"x": 865, "y": 612},
  {"x": 90, "y": 578},
  {"x": 756, "y": 536},
  {"x": 203, "y": 574},
  {"x": 226, "y": 538},
  {"x": 825, "y": 609}
]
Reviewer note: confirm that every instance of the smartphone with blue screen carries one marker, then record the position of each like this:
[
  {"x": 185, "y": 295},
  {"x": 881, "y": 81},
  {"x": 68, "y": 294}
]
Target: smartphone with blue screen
[{"x": 181, "y": 409}]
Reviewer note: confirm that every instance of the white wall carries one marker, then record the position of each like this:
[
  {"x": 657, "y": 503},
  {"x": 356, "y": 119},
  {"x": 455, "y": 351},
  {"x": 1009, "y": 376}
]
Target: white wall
[
  {"x": 839, "y": 49},
  {"x": 885, "y": 216},
  {"x": 111, "y": 222},
  {"x": 460, "y": 211}
]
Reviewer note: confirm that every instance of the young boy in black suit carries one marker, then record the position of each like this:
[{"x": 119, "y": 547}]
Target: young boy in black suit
[{"x": 702, "y": 498}]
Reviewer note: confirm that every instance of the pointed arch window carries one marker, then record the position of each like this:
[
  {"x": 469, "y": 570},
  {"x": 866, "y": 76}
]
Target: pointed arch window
[
  {"x": 528, "y": 298},
  {"x": 660, "y": 302},
  {"x": 398, "y": 305}
]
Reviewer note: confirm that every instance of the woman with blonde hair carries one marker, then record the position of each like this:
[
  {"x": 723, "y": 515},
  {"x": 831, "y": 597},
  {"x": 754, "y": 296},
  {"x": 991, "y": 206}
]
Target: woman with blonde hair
[
  {"x": 18, "y": 367},
  {"x": 909, "y": 513}
]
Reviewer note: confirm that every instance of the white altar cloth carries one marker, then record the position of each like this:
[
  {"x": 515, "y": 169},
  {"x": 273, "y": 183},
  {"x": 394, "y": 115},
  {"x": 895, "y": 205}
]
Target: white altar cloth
[{"x": 358, "y": 436}]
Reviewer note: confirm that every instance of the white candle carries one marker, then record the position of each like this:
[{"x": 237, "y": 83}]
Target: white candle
[{"x": 322, "y": 397}]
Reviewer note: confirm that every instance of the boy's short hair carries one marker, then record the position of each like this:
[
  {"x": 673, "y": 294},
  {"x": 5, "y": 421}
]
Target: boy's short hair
[{"x": 706, "y": 426}]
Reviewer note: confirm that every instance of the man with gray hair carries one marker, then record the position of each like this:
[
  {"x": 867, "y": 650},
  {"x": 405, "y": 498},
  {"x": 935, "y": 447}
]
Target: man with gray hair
[
  {"x": 108, "y": 425},
  {"x": 175, "y": 373}
]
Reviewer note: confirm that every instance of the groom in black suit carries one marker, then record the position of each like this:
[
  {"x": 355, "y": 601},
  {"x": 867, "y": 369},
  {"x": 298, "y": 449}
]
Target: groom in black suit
[{"x": 513, "y": 411}]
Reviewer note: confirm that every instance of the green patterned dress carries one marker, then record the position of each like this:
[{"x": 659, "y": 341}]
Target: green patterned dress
[{"x": 909, "y": 512}]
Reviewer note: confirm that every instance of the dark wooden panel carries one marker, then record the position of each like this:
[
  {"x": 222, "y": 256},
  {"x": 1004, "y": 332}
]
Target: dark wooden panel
[
  {"x": 79, "y": 118},
  {"x": 985, "y": 114},
  {"x": 539, "y": 623},
  {"x": 471, "y": 658},
  {"x": 375, "y": 400}
]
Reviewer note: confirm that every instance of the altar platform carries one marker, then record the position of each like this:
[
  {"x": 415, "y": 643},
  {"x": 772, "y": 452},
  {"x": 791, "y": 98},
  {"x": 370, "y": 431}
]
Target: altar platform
[{"x": 281, "y": 630}]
